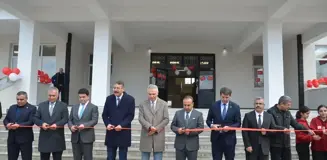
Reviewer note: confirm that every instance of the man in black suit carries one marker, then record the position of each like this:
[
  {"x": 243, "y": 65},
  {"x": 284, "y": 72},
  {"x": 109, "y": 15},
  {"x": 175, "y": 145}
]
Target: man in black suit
[
  {"x": 256, "y": 143},
  {"x": 118, "y": 113},
  {"x": 20, "y": 138},
  {"x": 51, "y": 116},
  {"x": 224, "y": 114}
]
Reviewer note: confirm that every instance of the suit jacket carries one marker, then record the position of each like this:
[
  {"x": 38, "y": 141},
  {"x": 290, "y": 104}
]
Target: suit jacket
[
  {"x": 159, "y": 118},
  {"x": 182, "y": 141},
  {"x": 52, "y": 140},
  {"x": 232, "y": 119},
  {"x": 20, "y": 135},
  {"x": 89, "y": 119},
  {"x": 252, "y": 138},
  {"x": 123, "y": 115}
]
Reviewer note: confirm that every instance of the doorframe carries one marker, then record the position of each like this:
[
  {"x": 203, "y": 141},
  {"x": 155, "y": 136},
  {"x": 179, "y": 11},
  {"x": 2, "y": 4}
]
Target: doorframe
[{"x": 197, "y": 70}]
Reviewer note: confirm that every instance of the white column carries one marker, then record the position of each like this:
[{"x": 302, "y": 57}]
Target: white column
[
  {"x": 273, "y": 63},
  {"x": 101, "y": 62},
  {"x": 28, "y": 52}
]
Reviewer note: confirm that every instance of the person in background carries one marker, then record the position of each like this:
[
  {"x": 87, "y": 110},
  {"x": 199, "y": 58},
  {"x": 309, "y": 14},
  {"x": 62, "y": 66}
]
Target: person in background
[
  {"x": 51, "y": 116},
  {"x": 82, "y": 117},
  {"x": 186, "y": 141},
  {"x": 20, "y": 138},
  {"x": 319, "y": 146},
  {"x": 118, "y": 112},
  {"x": 223, "y": 114},
  {"x": 303, "y": 140},
  {"x": 154, "y": 117},
  {"x": 280, "y": 148},
  {"x": 257, "y": 143},
  {"x": 58, "y": 81}
]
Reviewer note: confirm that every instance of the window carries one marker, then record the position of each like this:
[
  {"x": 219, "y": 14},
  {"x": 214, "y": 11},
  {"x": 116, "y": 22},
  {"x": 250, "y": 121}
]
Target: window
[
  {"x": 91, "y": 67},
  {"x": 321, "y": 60},
  {"x": 46, "y": 60},
  {"x": 258, "y": 71},
  {"x": 189, "y": 80}
]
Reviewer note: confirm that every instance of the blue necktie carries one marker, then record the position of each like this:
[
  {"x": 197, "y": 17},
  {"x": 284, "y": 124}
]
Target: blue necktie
[
  {"x": 224, "y": 111},
  {"x": 81, "y": 111}
]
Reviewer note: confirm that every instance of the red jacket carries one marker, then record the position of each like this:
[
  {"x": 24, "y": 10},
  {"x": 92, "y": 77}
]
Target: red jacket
[
  {"x": 321, "y": 145},
  {"x": 302, "y": 137}
]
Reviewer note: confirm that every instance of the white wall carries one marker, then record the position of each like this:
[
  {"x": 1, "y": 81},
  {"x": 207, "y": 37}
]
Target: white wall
[{"x": 234, "y": 70}]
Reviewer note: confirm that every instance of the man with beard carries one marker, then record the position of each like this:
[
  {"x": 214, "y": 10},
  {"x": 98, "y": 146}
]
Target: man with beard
[
  {"x": 281, "y": 141},
  {"x": 257, "y": 143},
  {"x": 118, "y": 113}
]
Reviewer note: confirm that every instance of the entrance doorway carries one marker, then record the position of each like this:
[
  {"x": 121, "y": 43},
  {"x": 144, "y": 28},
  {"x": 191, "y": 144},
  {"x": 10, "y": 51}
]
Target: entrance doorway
[{"x": 179, "y": 75}]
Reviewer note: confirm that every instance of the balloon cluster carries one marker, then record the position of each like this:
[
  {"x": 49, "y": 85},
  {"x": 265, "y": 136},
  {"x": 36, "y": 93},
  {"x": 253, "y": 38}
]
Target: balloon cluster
[
  {"x": 13, "y": 74},
  {"x": 43, "y": 77},
  {"x": 316, "y": 82}
]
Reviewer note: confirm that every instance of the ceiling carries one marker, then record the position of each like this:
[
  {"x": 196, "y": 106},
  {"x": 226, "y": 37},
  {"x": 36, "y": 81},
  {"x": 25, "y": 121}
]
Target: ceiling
[{"x": 221, "y": 22}]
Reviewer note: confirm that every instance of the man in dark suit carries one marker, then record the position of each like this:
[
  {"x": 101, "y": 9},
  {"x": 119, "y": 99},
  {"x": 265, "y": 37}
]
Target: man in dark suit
[
  {"x": 58, "y": 81},
  {"x": 20, "y": 138},
  {"x": 82, "y": 118},
  {"x": 118, "y": 113},
  {"x": 186, "y": 142},
  {"x": 223, "y": 114},
  {"x": 51, "y": 116},
  {"x": 257, "y": 144}
]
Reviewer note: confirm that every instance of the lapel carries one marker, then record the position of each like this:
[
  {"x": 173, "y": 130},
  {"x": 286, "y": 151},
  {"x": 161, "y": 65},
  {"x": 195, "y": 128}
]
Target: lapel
[
  {"x": 254, "y": 119},
  {"x": 265, "y": 120},
  {"x": 75, "y": 110},
  {"x": 157, "y": 106},
  {"x": 219, "y": 109},
  {"x": 229, "y": 107},
  {"x": 182, "y": 117},
  {"x": 55, "y": 108}
]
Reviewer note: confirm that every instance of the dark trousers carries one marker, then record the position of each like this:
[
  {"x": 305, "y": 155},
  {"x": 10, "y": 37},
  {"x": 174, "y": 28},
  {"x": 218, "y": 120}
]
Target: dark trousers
[
  {"x": 280, "y": 153},
  {"x": 61, "y": 90},
  {"x": 82, "y": 150},
  {"x": 183, "y": 154},
  {"x": 303, "y": 151},
  {"x": 112, "y": 151},
  {"x": 220, "y": 148},
  {"x": 316, "y": 155},
  {"x": 55, "y": 156},
  {"x": 257, "y": 154},
  {"x": 25, "y": 149}
]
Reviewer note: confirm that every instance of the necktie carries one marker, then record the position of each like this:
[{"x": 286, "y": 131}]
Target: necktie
[
  {"x": 81, "y": 111},
  {"x": 51, "y": 108},
  {"x": 118, "y": 101},
  {"x": 187, "y": 117},
  {"x": 224, "y": 111},
  {"x": 259, "y": 121},
  {"x": 152, "y": 105}
]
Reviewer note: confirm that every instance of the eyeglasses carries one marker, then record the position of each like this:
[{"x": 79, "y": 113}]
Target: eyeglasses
[{"x": 259, "y": 103}]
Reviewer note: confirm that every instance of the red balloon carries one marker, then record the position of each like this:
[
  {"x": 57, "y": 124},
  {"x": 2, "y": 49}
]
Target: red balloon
[
  {"x": 16, "y": 70},
  {"x": 315, "y": 81},
  {"x": 316, "y": 85},
  {"x": 6, "y": 71},
  {"x": 173, "y": 67},
  {"x": 46, "y": 76},
  {"x": 153, "y": 70},
  {"x": 309, "y": 85},
  {"x": 321, "y": 80},
  {"x": 191, "y": 68}
]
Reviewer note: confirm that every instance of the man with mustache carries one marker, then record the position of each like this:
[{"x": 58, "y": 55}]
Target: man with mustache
[
  {"x": 257, "y": 143},
  {"x": 118, "y": 113}
]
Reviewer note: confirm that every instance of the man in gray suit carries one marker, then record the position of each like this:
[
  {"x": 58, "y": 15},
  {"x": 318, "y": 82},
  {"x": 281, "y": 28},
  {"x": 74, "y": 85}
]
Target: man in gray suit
[
  {"x": 154, "y": 117},
  {"x": 83, "y": 117},
  {"x": 51, "y": 116},
  {"x": 186, "y": 141}
]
